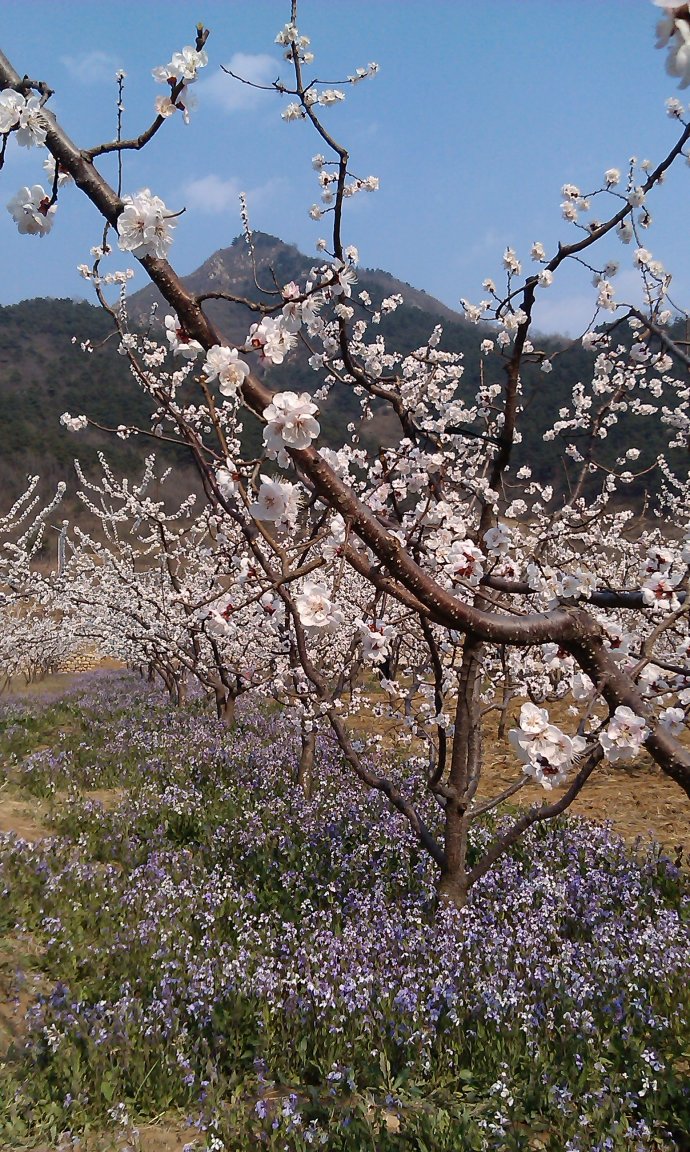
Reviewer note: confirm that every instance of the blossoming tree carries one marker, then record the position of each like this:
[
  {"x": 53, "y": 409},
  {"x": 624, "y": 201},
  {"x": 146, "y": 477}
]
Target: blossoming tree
[{"x": 433, "y": 572}]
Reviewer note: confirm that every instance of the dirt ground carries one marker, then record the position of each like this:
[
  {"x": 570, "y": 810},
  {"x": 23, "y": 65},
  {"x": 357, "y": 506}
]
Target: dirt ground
[{"x": 637, "y": 800}]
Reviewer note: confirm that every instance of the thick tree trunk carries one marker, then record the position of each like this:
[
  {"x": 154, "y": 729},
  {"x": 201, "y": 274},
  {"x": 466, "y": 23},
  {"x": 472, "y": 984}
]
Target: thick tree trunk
[
  {"x": 226, "y": 709},
  {"x": 305, "y": 767},
  {"x": 465, "y": 770}
]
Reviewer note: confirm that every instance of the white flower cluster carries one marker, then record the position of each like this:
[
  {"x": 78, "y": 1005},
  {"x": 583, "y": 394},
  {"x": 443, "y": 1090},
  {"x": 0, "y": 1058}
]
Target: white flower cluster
[
  {"x": 659, "y": 587},
  {"x": 673, "y": 32},
  {"x": 225, "y": 365},
  {"x": 74, "y": 423},
  {"x": 32, "y": 211},
  {"x": 317, "y": 612},
  {"x": 289, "y": 37},
  {"x": 289, "y": 423},
  {"x": 273, "y": 337},
  {"x": 182, "y": 69},
  {"x": 145, "y": 226},
  {"x": 179, "y": 340},
  {"x": 547, "y": 753},
  {"x": 276, "y": 501},
  {"x": 23, "y": 116},
  {"x": 376, "y": 640},
  {"x": 624, "y": 736}
]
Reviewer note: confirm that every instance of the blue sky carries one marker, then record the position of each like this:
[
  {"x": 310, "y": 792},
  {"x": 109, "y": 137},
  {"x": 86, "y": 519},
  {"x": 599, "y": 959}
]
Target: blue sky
[{"x": 482, "y": 109}]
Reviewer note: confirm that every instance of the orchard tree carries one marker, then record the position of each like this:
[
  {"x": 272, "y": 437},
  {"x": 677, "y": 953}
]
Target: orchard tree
[
  {"x": 440, "y": 568},
  {"x": 35, "y": 637}
]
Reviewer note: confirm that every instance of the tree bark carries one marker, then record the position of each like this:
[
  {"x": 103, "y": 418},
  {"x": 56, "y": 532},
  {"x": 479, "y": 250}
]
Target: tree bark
[{"x": 305, "y": 767}]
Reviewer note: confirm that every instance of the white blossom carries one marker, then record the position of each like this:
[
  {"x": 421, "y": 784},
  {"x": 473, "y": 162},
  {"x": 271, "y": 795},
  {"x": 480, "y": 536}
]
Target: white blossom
[
  {"x": 144, "y": 226},
  {"x": 224, "y": 363},
  {"x": 30, "y": 212},
  {"x": 273, "y": 338},
  {"x": 276, "y": 500},
  {"x": 289, "y": 421},
  {"x": 376, "y": 640},
  {"x": 178, "y": 339},
  {"x": 547, "y": 753},
  {"x": 624, "y": 736},
  {"x": 316, "y": 610}
]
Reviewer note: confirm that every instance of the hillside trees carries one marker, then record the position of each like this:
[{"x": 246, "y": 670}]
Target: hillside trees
[{"x": 435, "y": 568}]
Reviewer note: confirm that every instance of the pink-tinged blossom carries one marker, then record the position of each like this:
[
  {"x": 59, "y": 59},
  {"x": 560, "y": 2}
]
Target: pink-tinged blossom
[
  {"x": 673, "y": 720},
  {"x": 289, "y": 422},
  {"x": 178, "y": 339},
  {"x": 498, "y": 540},
  {"x": 224, "y": 363},
  {"x": 658, "y": 592},
  {"x": 30, "y": 210},
  {"x": 276, "y": 501},
  {"x": 316, "y": 610},
  {"x": 547, "y": 754},
  {"x": 144, "y": 226},
  {"x": 376, "y": 640},
  {"x": 624, "y": 736},
  {"x": 464, "y": 562},
  {"x": 272, "y": 338}
]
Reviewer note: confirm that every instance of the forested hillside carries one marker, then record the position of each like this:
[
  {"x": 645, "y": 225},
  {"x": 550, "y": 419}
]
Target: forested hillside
[{"x": 44, "y": 371}]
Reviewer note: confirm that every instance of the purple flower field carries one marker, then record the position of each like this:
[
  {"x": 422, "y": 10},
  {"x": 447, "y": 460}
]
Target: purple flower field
[{"x": 203, "y": 941}]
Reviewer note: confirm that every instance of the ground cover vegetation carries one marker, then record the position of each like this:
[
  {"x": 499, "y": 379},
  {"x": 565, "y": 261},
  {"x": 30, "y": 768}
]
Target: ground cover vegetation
[
  {"x": 197, "y": 938},
  {"x": 375, "y": 922}
]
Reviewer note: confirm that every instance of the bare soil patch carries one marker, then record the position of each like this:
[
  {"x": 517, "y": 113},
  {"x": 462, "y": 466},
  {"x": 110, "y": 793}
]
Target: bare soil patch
[
  {"x": 638, "y": 800},
  {"x": 23, "y": 817}
]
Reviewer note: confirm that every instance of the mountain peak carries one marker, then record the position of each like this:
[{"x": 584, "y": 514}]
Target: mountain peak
[{"x": 259, "y": 271}]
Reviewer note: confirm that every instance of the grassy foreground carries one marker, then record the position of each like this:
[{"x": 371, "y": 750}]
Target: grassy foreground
[{"x": 197, "y": 941}]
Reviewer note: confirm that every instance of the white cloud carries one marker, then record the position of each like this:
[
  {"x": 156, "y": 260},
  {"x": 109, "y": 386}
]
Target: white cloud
[
  {"x": 211, "y": 194},
  {"x": 232, "y": 95},
  {"x": 91, "y": 67}
]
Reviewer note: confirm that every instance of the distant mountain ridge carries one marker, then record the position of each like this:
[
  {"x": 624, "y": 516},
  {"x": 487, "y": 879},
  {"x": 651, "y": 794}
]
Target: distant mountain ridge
[
  {"x": 276, "y": 263},
  {"x": 43, "y": 372}
]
